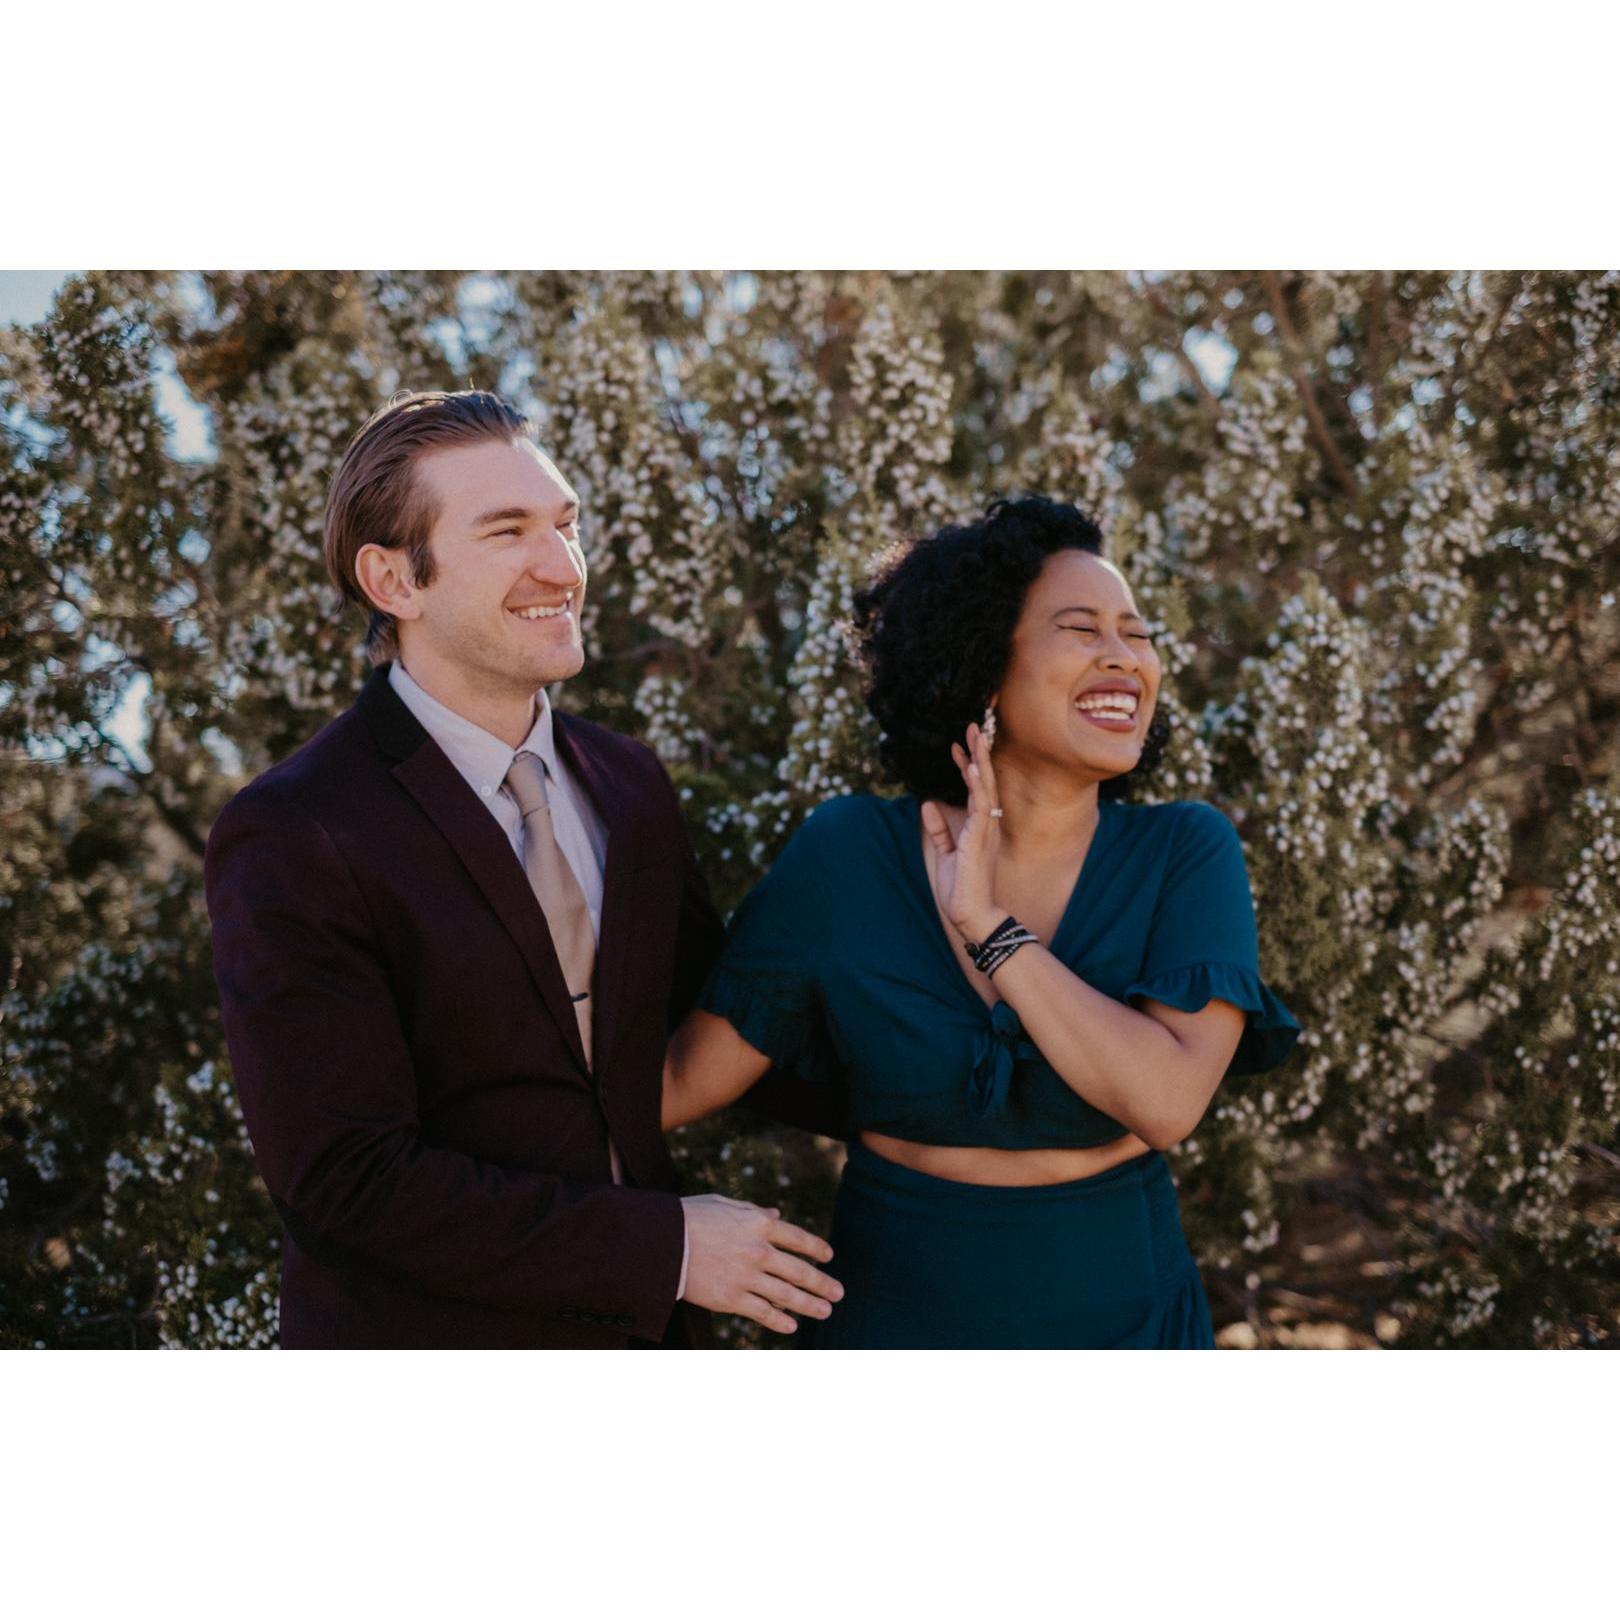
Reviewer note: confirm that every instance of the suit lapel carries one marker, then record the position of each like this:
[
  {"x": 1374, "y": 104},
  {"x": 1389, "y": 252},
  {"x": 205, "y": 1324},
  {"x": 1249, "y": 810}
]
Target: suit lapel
[
  {"x": 582, "y": 756},
  {"x": 422, "y": 769}
]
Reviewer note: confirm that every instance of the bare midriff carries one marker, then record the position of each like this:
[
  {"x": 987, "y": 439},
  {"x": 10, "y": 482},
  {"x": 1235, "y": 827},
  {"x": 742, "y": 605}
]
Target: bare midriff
[{"x": 1006, "y": 1167}]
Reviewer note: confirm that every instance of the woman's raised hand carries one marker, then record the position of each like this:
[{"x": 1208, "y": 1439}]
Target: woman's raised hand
[{"x": 965, "y": 865}]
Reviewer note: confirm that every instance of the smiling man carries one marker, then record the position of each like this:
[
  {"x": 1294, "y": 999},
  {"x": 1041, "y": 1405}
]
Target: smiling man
[{"x": 451, "y": 934}]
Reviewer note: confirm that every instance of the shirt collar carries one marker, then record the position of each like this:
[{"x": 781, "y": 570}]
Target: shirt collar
[{"x": 480, "y": 756}]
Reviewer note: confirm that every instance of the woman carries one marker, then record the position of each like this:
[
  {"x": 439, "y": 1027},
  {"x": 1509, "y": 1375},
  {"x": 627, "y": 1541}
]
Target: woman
[{"x": 1030, "y": 986}]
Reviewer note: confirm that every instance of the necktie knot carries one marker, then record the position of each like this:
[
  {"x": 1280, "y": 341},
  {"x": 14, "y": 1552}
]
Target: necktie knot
[{"x": 526, "y": 780}]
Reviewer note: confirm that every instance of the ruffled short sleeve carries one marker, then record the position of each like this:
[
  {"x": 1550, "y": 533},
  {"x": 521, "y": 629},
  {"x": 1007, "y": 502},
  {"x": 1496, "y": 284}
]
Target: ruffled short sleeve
[
  {"x": 767, "y": 981},
  {"x": 1203, "y": 944}
]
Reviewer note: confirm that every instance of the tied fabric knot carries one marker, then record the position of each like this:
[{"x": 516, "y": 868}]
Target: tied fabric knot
[{"x": 999, "y": 1049}]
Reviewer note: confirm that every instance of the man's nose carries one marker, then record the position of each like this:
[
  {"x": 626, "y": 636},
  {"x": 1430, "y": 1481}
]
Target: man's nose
[{"x": 555, "y": 562}]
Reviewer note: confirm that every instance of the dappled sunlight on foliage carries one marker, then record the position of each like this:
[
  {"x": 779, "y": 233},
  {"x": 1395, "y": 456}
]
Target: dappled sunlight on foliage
[{"x": 1373, "y": 518}]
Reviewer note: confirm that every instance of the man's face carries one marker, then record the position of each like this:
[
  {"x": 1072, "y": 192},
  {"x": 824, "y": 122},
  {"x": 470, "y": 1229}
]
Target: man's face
[{"x": 509, "y": 576}]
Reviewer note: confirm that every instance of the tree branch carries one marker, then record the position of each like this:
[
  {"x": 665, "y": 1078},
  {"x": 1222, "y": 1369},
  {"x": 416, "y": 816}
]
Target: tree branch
[
  {"x": 1287, "y": 331},
  {"x": 1206, "y": 399},
  {"x": 1377, "y": 337},
  {"x": 178, "y": 823},
  {"x": 1602, "y": 1153},
  {"x": 646, "y": 649}
]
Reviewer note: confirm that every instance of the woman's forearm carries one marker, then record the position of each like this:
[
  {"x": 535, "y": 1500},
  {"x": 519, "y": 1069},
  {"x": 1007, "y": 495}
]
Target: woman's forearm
[
  {"x": 706, "y": 1066},
  {"x": 1123, "y": 1062}
]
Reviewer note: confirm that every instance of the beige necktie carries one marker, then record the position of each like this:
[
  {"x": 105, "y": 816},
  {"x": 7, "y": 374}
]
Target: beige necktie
[
  {"x": 555, "y": 887},
  {"x": 561, "y": 898}
]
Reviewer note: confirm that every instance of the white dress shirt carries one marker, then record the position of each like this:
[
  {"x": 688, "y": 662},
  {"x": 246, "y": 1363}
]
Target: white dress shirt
[{"x": 483, "y": 761}]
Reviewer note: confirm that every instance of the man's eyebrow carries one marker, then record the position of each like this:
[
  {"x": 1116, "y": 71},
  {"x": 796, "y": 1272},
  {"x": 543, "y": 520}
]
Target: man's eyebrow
[
  {"x": 522, "y": 514},
  {"x": 1129, "y": 614}
]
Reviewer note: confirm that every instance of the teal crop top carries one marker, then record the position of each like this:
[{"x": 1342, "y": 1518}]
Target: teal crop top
[{"x": 837, "y": 967}]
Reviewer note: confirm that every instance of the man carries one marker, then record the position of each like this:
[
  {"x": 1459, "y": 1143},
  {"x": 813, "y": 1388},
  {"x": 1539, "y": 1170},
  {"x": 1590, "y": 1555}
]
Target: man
[{"x": 451, "y": 934}]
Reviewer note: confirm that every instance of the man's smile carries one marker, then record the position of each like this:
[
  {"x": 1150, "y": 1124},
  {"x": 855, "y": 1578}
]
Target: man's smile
[{"x": 538, "y": 610}]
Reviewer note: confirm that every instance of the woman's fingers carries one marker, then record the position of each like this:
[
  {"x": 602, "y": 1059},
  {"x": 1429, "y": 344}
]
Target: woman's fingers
[
  {"x": 964, "y": 761},
  {"x": 937, "y": 828},
  {"x": 978, "y": 777},
  {"x": 987, "y": 769},
  {"x": 974, "y": 777}
]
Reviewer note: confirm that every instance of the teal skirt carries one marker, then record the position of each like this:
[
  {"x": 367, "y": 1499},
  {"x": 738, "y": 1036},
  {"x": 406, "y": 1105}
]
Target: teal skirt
[{"x": 929, "y": 1264}]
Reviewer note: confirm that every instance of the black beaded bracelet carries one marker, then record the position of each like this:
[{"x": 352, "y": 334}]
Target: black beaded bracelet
[
  {"x": 1000, "y": 943},
  {"x": 1006, "y": 926},
  {"x": 1006, "y": 949}
]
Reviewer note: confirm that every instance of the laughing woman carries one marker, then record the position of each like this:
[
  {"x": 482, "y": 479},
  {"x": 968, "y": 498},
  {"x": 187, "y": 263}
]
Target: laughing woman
[{"x": 1030, "y": 986}]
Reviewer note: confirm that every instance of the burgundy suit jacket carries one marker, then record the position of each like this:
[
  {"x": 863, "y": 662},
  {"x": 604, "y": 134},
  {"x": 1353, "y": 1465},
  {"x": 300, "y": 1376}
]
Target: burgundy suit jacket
[{"x": 408, "y": 1059}]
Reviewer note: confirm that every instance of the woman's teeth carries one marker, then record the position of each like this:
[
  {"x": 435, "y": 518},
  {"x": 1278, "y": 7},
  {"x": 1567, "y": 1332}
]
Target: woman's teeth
[{"x": 1115, "y": 710}]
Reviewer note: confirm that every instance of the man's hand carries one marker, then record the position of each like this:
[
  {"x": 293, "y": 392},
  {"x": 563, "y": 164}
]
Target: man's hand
[{"x": 743, "y": 1259}]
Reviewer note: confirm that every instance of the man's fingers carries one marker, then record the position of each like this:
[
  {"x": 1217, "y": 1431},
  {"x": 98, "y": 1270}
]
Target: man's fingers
[
  {"x": 790, "y": 1298},
  {"x": 785, "y": 1235},
  {"x": 804, "y": 1275},
  {"x": 766, "y": 1314}
]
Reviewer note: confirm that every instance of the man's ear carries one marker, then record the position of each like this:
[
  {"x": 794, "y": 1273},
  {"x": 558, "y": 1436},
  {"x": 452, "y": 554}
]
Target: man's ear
[{"x": 384, "y": 574}]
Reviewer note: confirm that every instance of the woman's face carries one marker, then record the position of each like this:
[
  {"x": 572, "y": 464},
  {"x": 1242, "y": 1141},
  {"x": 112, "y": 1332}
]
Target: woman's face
[{"x": 1083, "y": 677}]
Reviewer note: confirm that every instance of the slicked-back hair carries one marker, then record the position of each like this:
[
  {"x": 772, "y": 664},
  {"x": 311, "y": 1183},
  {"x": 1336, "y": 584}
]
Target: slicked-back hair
[
  {"x": 933, "y": 629},
  {"x": 377, "y": 499}
]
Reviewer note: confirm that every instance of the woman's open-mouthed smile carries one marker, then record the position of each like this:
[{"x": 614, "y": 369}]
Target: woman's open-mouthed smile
[{"x": 1082, "y": 651}]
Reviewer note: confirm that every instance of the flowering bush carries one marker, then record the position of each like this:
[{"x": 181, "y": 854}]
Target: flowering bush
[{"x": 1374, "y": 519}]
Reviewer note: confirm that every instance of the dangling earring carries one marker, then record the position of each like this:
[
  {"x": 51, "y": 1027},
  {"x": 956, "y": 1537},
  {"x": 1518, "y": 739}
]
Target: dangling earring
[{"x": 988, "y": 726}]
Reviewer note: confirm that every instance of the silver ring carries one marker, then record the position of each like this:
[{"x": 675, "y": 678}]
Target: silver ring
[{"x": 996, "y": 812}]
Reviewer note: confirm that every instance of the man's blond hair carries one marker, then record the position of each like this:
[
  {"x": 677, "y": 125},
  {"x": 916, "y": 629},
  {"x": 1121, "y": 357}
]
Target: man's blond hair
[{"x": 377, "y": 499}]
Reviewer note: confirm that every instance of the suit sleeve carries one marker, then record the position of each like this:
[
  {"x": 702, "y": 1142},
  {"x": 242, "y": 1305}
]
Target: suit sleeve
[
  {"x": 700, "y": 931},
  {"x": 328, "y": 1091}
]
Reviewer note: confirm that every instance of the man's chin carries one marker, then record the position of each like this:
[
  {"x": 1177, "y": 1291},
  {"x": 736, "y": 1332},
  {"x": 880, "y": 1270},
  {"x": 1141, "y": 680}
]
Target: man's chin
[{"x": 560, "y": 667}]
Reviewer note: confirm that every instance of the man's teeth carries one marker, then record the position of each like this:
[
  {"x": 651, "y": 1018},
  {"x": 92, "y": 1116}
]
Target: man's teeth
[{"x": 543, "y": 612}]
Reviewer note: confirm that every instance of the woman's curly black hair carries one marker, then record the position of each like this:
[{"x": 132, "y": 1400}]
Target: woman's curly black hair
[{"x": 934, "y": 627}]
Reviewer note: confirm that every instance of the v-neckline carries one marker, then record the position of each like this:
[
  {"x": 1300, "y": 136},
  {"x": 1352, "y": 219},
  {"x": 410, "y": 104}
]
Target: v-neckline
[{"x": 919, "y": 869}]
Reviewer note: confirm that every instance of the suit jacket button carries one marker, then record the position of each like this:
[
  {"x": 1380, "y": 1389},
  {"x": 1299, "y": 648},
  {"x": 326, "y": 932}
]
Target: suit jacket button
[
  {"x": 626, "y": 1321},
  {"x": 568, "y": 1313}
]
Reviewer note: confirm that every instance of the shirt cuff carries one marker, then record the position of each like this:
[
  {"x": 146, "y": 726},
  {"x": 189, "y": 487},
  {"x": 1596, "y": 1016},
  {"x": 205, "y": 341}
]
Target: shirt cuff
[{"x": 686, "y": 1250}]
